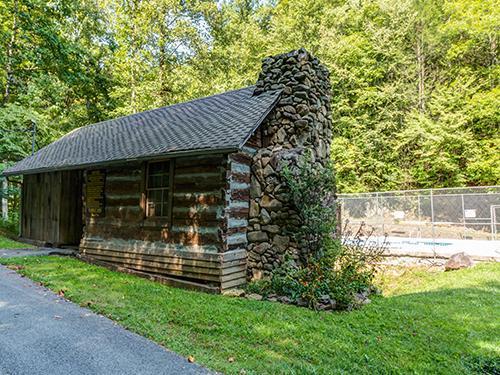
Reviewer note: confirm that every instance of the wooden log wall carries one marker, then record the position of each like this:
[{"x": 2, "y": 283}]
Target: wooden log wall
[
  {"x": 189, "y": 246},
  {"x": 237, "y": 199}
]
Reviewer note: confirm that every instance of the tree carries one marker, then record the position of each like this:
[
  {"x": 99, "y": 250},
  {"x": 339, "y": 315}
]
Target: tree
[{"x": 409, "y": 77}]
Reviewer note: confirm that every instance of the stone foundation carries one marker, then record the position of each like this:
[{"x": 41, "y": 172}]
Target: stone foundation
[{"x": 301, "y": 121}]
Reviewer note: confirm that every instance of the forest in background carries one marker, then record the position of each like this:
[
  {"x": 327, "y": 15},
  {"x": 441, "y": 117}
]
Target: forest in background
[{"x": 416, "y": 100}]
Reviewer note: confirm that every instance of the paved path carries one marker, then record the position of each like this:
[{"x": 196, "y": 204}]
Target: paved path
[
  {"x": 41, "y": 333},
  {"x": 8, "y": 253}
]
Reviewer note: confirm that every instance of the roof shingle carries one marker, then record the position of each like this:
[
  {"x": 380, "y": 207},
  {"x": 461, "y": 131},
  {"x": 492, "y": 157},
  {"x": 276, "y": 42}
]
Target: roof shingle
[{"x": 218, "y": 122}]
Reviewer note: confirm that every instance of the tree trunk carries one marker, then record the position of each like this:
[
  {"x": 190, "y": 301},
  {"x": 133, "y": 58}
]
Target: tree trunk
[
  {"x": 9, "y": 69},
  {"x": 163, "y": 63},
  {"x": 420, "y": 66},
  {"x": 132, "y": 60}
]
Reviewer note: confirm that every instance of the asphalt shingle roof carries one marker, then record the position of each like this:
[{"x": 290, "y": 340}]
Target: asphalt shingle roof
[{"x": 218, "y": 122}]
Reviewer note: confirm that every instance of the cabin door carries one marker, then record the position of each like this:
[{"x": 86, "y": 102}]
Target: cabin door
[{"x": 51, "y": 211}]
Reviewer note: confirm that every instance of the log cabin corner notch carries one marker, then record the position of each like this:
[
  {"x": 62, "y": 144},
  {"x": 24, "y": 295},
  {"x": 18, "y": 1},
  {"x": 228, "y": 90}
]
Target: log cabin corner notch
[{"x": 187, "y": 194}]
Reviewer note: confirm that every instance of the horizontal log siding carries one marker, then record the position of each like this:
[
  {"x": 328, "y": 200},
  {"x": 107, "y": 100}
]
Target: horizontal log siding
[
  {"x": 236, "y": 212},
  {"x": 213, "y": 270},
  {"x": 188, "y": 247}
]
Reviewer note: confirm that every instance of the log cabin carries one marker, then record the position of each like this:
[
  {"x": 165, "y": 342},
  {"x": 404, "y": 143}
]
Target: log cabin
[{"x": 188, "y": 194}]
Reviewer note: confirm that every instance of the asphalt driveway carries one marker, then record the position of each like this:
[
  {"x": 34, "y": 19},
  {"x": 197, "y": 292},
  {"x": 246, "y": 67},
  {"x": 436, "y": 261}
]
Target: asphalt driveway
[{"x": 41, "y": 333}]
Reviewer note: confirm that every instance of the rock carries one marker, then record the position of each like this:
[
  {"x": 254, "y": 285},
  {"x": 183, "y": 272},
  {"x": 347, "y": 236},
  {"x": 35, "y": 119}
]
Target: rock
[
  {"x": 300, "y": 76},
  {"x": 255, "y": 188},
  {"x": 269, "y": 171},
  {"x": 281, "y": 241},
  {"x": 289, "y": 116},
  {"x": 326, "y": 304},
  {"x": 458, "y": 261},
  {"x": 257, "y": 236},
  {"x": 262, "y": 248},
  {"x": 234, "y": 292},
  {"x": 272, "y": 299},
  {"x": 254, "y": 209},
  {"x": 361, "y": 299},
  {"x": 271, "y": 228},
  {"x": 280, "y": 135},
  {"x": 303, "y": 87},
  {"x": 268, "y": 267},
  {"x": 289, "y": 156},
  {"x": 254, "y": 297},
  {"x": 302, "y": 109},
  {"x": 284, "y": 299},
  {"x": 264, "y": 216},
  {"x": 301, "y": 94},
  {"x": 271, "y": 203},
  {"x": 301, "y": 302},
  {"x": 374, "y": 290},
  {"x": 324, "y": 299},
  {"x": 301, "y": 123}
]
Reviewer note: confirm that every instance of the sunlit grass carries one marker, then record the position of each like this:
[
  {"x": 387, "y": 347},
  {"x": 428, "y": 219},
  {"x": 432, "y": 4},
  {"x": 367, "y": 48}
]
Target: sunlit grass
[
  {"x": 427, "y": 322},
  {"x": 7, "y": 243}
]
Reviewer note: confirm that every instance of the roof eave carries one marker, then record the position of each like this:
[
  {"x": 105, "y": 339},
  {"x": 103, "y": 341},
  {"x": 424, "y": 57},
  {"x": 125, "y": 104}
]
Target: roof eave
[{"x": 167, "y": 155}]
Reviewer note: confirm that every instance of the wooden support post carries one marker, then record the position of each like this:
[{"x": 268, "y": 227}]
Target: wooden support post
[{"x": 5, "y": 205}]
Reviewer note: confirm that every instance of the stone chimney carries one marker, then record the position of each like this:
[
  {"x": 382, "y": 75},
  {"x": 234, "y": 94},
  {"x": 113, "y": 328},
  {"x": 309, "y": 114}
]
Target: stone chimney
[{"x": 301, "y": 120}]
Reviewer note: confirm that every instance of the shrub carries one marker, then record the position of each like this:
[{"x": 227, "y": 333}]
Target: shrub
[
  {"x": 10, "y": 227},
  {"x": 333, "y": 272},
  {"x": 312, "y": 192},
  {"x": 344, "y": 271}
]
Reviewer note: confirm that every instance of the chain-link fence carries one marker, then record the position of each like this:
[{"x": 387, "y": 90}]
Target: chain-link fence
[{"x": 429, "y": 217}]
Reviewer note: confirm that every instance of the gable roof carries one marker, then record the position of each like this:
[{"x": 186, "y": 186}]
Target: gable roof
[{"x": 222, "y": 122}]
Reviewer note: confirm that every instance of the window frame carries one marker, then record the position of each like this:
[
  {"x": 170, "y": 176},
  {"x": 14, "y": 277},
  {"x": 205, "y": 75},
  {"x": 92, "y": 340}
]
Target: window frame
[{"x": 168, "y": 188}]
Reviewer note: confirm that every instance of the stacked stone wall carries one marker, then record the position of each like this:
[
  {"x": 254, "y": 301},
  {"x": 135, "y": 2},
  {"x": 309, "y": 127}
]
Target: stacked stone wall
[{"x": 301, "y": 121}]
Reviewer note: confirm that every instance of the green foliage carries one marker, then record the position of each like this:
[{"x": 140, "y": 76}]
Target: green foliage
[
  {"x": 344, "y": 270},
  {"x": 328, "y": 268},
  {"x": 12, "y": 192},
  {"x": 311, "y": 188},
  {"x": 10, "y": 227},
  {"x": 410, "y": 78},
  {"x": 429, "y": 322}
]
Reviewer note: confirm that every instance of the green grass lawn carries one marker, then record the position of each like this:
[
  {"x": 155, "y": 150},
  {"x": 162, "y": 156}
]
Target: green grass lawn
[
  {"x": 445, "y": 323},
  {"x": 7, "y": 243}
]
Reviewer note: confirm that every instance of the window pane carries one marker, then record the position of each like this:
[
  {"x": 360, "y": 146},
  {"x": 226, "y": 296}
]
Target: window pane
[
  {"x": 157, "y": 189},
  {"x": 158, "y": 168},
  {"x": 164, "y": 180},
  {"x": 158, "y": 175},
  {"x": 155, "y": 181},
  {"x": 154, "y": 203},
  {"x": 151, "y": 210}
]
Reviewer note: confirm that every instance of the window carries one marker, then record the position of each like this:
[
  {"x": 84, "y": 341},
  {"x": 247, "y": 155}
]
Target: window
[{"x": 158, "y": 189}]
